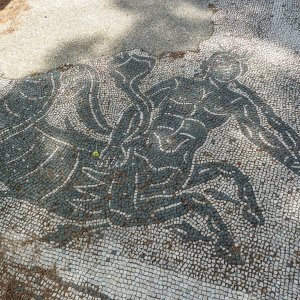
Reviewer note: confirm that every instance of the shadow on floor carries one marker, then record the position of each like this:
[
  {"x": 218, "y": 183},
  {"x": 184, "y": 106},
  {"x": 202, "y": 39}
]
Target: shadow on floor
[
  {"x": 158, "y": 27},
  {"x": 4, "y": 3}
]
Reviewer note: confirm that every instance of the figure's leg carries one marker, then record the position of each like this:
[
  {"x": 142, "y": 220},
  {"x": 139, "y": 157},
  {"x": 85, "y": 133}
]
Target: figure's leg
[
  {"x": 224, "y": 242},
  {"x": 205, "y": 172},
  {"x": 219, "y": 232}
]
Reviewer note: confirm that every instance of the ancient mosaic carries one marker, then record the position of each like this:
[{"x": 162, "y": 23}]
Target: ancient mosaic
[{"x": 137, "y": 177}]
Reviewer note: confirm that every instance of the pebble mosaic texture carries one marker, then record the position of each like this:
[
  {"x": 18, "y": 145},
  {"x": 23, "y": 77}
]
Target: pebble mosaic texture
[{"x": 178, "y": 177}]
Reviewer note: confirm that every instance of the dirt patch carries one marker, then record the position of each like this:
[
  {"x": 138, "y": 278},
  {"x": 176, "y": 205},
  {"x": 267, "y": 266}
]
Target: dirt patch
[
  {"x": 175, "y": 55},
  {"x": 64, "y": 67},
  {"x": 12, "y": 288},
  {"x": 10, "y": 10},
  {"x": 178, "y": 54},
  {"x": 4, "y": 3},
  {"x": 213, "y": 8},
  {"x": 15, "y": 290}
]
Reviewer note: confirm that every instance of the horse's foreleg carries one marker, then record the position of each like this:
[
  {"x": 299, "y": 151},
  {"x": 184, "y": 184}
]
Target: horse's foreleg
[{"x": 208, "y": 171}]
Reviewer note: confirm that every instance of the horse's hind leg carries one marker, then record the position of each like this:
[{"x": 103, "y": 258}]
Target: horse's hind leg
[
  {"x": 218, "y": 231},
  {"x": 208, "y": 171}
]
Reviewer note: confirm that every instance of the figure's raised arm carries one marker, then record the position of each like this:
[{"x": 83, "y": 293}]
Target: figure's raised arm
[
  {"x": 278, "y": 138},
  {"x": 128, "y": 70}
]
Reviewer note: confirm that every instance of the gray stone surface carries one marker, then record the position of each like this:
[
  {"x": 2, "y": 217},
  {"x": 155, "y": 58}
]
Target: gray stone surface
[
  {"x": 134, "y": 176},
  {"x": 45, "y": 34}
]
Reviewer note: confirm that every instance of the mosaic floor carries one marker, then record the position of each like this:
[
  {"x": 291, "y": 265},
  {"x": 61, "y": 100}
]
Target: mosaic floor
[{"x": 173, "y": 177}]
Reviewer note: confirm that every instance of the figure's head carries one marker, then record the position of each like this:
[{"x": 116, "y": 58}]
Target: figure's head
[{"x": 224, "y": 66}]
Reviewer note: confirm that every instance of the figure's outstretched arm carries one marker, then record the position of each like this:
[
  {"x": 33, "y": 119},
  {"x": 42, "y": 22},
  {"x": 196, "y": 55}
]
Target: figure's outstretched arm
[{"x": 278, "y": 138}]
